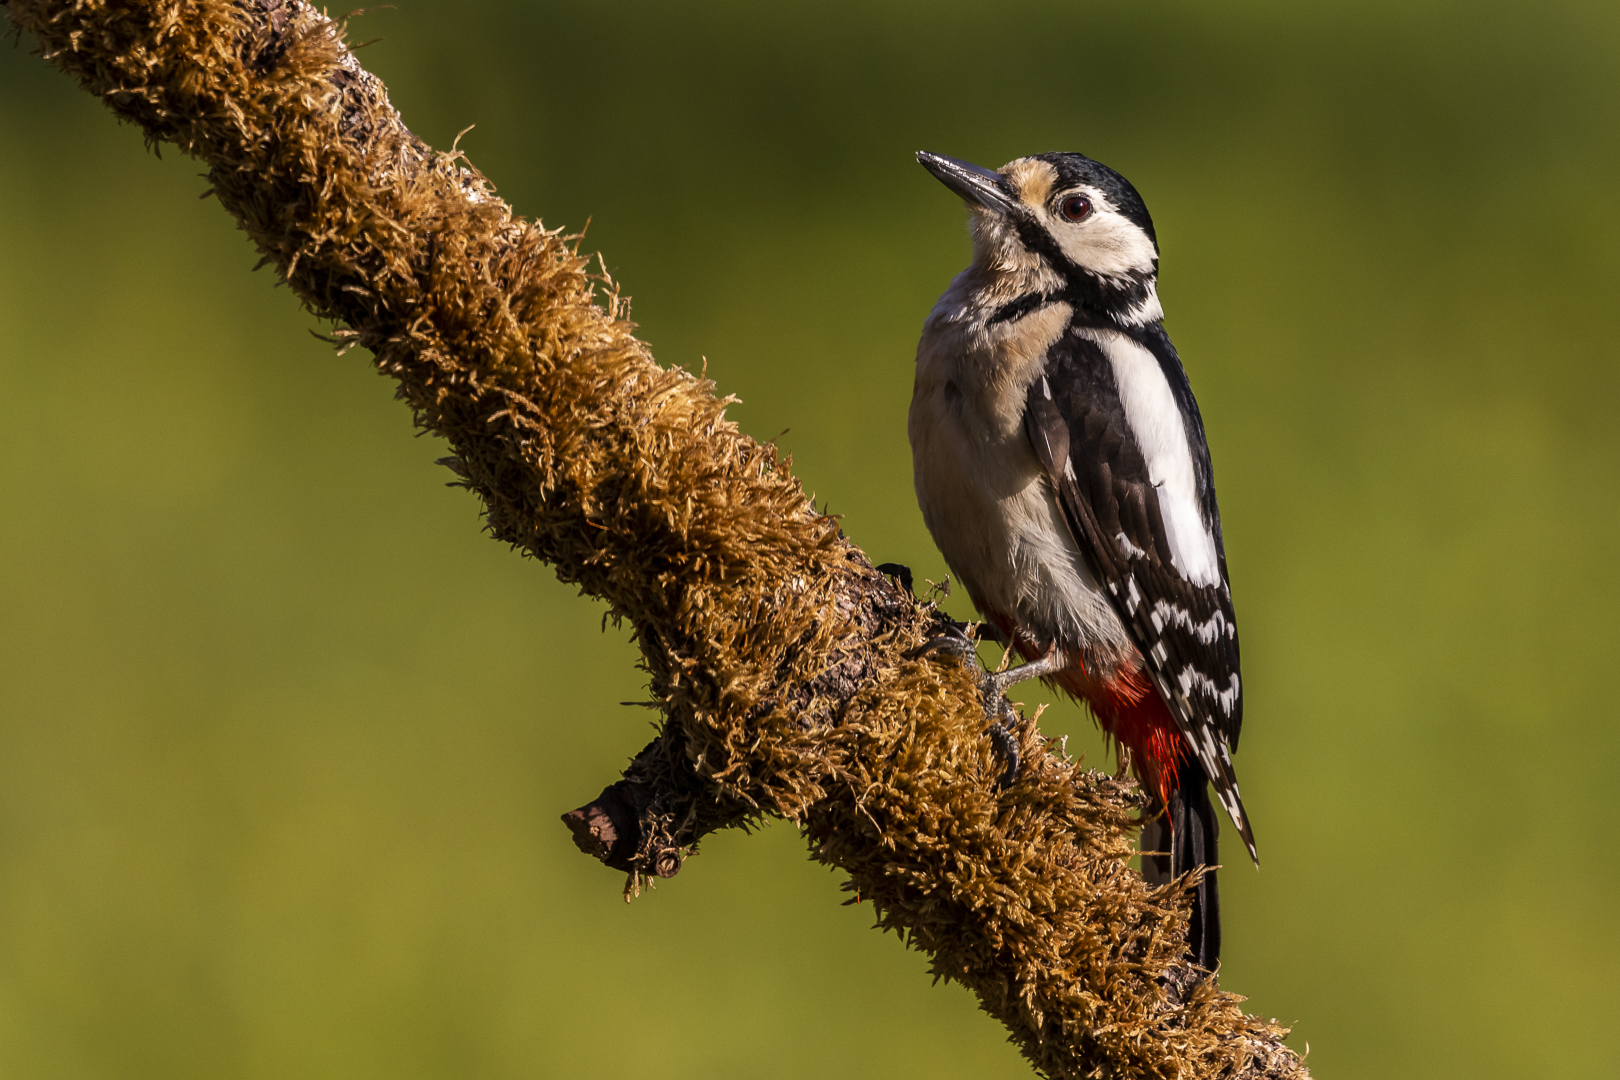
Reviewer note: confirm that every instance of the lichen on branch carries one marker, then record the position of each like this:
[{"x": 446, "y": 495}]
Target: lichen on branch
[{"x": 786, "y": 668}]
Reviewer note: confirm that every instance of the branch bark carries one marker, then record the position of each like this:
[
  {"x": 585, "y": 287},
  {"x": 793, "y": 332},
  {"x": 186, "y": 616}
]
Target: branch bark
[{"x": 785, "y": 665}]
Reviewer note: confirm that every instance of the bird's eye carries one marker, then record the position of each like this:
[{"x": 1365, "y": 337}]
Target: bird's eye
[{"x": 1075, "y": 208}]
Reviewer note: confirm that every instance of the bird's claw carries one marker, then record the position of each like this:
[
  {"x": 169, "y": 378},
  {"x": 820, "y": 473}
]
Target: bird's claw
[
  {"x": 956, "y": 644},
  {"x": 998, "y": 711},
  {"x": 1006, "y": 744},
  {"x": 961, "y": 639}
]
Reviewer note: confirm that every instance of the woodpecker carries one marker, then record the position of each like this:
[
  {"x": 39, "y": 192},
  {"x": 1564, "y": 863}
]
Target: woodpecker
[{"x": 1060, "y": 464}]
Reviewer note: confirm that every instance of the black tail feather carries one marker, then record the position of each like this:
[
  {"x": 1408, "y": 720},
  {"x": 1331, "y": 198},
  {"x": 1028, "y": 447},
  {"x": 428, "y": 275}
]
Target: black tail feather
[{"x": 1188, "y": 833}]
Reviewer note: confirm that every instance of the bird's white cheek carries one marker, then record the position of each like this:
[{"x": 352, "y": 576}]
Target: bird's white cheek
[{"x": 1109, "y": 245}]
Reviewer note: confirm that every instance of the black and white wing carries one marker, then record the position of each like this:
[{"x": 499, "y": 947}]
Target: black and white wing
[{"x": 1113, "y": 422}]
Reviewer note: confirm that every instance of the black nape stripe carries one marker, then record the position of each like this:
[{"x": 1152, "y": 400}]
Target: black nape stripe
[
  {"x": 1017, "y": 309},
  {"x": 1104, "y": 301},
  {"x": 1093, "y": 303}
]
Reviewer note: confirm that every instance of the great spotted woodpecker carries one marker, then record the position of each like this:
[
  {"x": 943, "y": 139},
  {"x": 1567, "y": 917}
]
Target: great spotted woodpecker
[{"x": 1061, "y": 467}]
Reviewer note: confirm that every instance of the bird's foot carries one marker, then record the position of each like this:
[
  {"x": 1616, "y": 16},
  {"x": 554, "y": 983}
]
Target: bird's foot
[
  {"x": 962, "y": 639},
  {"x": 954, "y": 641},
  {"x": 1006, "y": 744},
  {"x": 959, "y": 640}
]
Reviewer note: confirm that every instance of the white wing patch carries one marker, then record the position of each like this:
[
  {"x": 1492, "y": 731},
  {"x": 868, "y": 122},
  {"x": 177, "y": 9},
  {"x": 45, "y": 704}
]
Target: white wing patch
[{"x": 1161, "y": 434}]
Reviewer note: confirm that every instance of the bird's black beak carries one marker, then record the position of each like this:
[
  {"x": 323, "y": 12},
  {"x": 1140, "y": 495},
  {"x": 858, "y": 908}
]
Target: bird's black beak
[{"x": 978, "y": 186}]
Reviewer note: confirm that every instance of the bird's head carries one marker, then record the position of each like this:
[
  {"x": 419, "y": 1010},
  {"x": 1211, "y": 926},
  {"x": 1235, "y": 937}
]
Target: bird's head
[{"x": 1065, "y": 223}]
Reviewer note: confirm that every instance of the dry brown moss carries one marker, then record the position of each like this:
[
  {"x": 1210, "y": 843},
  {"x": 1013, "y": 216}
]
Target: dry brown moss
[{"x": 783, "y": 661}]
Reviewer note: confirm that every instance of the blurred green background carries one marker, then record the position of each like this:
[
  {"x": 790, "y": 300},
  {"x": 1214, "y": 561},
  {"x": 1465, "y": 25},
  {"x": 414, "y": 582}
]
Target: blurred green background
[{"x": 284, "y": 738}]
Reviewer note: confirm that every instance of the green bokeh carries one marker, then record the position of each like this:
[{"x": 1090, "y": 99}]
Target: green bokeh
[{"x": 283, "y": 738}]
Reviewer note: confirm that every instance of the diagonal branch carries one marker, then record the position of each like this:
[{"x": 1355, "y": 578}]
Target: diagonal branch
[{"x": 785, "y": 665}]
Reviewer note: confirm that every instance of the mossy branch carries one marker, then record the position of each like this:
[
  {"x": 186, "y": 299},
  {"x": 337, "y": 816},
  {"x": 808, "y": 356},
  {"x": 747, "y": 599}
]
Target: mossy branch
[{"x": 784, "y": 664}]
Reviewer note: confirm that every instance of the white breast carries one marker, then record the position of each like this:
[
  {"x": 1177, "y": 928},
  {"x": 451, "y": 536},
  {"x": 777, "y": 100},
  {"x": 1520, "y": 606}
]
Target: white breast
[{"x": 984, "y": 496}]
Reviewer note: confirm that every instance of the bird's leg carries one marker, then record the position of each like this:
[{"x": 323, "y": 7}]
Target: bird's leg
[{"x": 1055, "y": 660}]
